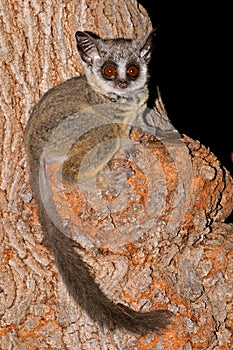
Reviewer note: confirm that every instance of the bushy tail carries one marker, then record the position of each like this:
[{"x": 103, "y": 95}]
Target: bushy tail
[{"x": 88, "y": 295}]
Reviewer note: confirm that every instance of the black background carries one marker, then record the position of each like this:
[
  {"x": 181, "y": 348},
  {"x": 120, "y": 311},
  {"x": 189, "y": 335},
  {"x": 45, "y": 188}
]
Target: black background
[{"x": 192, "y": 67}]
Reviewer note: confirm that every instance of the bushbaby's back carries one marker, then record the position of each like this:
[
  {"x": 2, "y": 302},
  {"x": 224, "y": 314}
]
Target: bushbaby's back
[{"x": 56, "y": 105}]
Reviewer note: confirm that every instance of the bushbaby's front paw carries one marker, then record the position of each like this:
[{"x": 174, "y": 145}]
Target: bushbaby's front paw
[
  {"x": 128, "y": 148},
  {"x": 114, "y": 178}
]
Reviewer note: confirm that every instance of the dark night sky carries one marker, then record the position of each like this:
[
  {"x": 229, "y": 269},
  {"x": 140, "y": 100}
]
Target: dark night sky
[{"x": 191, "y": 68}]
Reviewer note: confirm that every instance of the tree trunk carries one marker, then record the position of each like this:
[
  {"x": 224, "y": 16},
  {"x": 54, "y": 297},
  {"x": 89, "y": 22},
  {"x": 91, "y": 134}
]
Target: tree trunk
[{"x": 183, "y": 261}]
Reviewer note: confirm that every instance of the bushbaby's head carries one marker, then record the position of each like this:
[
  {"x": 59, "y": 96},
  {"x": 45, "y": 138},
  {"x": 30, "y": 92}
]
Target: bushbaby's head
[{"x": 116, "y": 67}]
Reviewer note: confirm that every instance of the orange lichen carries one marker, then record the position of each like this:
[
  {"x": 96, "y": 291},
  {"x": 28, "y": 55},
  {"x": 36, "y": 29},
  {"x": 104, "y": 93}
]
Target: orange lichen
[
  {"x": 25, "y": 333},
  {"x": 8, "y": 254},
  {"x": 218, "y": 259},
  {"x": 5, "y": 330}
]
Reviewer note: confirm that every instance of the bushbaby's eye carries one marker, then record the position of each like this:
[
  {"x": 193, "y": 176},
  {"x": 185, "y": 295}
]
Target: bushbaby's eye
[
  {"x": 109, "y": 71},
  {"x": 132, "y": 71}
]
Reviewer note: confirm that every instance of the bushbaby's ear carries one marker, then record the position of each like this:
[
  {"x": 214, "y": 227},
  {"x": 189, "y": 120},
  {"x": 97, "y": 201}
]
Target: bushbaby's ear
[
  {"x": 87, "y": 47},
  {"x": 147, "y": 46}
]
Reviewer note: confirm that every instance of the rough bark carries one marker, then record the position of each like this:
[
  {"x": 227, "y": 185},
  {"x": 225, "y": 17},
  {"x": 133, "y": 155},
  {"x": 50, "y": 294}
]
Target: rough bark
[{"x": 184, "y": 260}]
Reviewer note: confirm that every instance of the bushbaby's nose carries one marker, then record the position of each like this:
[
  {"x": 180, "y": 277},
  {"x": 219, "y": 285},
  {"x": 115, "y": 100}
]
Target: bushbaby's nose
[{"x": 121, "y": 83}]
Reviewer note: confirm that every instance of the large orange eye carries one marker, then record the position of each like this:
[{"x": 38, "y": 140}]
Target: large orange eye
[
  {"x": 132, "y": 71},
  {"x": 109, "y": 71}
]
